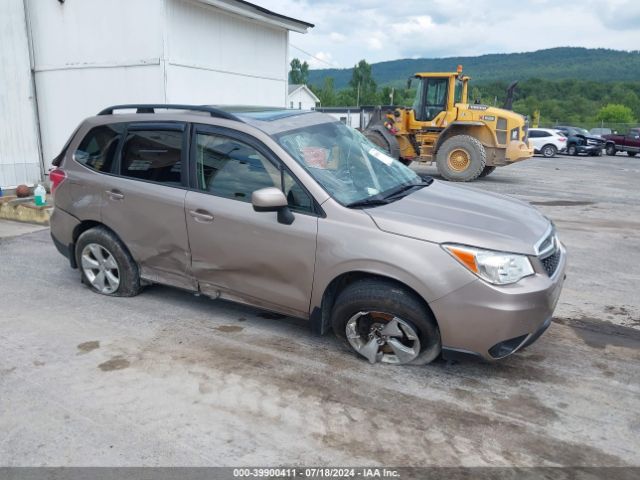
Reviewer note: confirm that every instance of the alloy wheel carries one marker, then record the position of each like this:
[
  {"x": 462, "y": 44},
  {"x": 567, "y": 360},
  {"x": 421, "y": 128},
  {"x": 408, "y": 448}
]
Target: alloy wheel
[
  {"x": 459, "y": 160},
  {"x": 549, "y": 151},
  {"x": 383, "y": 337},
  {"x": 100, "y": 268}
]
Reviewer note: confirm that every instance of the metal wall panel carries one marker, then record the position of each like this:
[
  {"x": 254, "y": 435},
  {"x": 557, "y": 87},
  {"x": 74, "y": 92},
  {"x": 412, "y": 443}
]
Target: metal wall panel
[
  {"x": 90, "y": 54},
  {"x": 66, "y": 97},
  {"x": 19, "y": 150},
  {"x": 217, "y": 57}
]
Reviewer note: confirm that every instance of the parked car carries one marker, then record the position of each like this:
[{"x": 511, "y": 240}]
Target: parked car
[
  {"x": 600, "y": 132},
  {"x": 629, "y": 143},
  {"x": 580, "y": 141},
  {"x": 547, "y": 141},
  {"x": 294, "y": 212}
]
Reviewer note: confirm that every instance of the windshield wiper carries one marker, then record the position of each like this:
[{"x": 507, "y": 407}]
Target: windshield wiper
[
  {"x": 368, "y": 202},
  {"x": 406, "y": 187}
]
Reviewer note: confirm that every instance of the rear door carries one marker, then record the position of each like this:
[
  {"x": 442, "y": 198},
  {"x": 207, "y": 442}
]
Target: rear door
[
  {"x": 238, "y": 253},
  {"x": 144, "y": 201},
  {"x": 535, "y": 139}
]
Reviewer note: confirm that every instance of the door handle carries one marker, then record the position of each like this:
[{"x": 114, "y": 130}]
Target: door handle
[
  {"x": 115, "y": 194},
  {"x": 201, "y": 216}
]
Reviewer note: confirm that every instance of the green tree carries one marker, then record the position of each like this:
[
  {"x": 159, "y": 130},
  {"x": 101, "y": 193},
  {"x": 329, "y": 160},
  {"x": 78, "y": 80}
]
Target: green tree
[
  {"x": 299, "y": 73},
  {"x": 615, "y": 113},
  {"x": 363, "y": 85}
]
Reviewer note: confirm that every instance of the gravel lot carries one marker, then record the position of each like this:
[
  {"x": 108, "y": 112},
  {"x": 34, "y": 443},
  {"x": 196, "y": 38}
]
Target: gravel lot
[{"x": 168, "y": 378}]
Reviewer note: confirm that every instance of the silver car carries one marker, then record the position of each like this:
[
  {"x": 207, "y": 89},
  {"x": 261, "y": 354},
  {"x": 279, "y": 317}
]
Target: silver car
[{"x": 296, "y": 213}]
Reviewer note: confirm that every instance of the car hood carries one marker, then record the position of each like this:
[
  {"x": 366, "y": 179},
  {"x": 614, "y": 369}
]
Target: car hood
[
  {"x": 591, "y": 137},
  {"x": 444, "y": 213}
]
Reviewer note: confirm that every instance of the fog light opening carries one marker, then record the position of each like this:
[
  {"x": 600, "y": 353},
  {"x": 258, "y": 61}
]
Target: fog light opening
[{"x": 502, "y": 349}]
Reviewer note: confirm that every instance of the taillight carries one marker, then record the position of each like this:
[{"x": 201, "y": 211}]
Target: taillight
[
  {"x": 56, "y": 177},
  {"x": 562, "y": 139}
]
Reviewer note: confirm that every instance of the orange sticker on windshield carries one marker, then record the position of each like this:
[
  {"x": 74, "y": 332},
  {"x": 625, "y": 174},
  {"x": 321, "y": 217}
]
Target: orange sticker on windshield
[{"x": 315, "y": 157}]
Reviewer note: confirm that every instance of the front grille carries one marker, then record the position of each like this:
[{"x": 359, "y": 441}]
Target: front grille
[{"x": 551, "y": 262}]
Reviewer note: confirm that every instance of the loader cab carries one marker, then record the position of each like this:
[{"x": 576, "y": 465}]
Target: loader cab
[{"x": 437, "y": 93}]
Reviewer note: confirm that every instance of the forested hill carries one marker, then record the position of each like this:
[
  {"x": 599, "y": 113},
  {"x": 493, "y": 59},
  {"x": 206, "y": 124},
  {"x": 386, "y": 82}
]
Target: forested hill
[{"x": 600, "y": 65}]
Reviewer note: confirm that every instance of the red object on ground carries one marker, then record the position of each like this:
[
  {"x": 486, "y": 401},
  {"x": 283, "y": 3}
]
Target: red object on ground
[{"x": 23, "y": 191}]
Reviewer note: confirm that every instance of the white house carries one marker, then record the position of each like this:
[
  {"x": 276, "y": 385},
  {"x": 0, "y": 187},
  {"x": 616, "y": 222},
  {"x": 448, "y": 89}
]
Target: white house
[
  {"x": 61, "y": 61},
  {"x": 301, "y": 97},
  {"x": 355, "y": 117}
]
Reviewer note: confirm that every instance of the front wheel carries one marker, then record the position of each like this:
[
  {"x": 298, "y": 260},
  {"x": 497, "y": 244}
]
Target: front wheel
[
  {"x": 610, "y": 149},
  {"x": 549, "y": 151},
  {"x": 572, "y": 150},
  {"x": 383, "y": 322},
  {"x": 461, "y": 158}
]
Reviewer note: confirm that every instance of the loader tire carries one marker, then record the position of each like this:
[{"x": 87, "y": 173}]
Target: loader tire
[
  {"x": 378, "y": 139},
  {"x": 487, "y": 171},
  {"x": 461, "y": 158}
]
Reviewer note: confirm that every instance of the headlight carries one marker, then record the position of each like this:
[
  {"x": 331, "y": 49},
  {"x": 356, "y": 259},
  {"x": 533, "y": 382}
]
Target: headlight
[{"x": 498, "y": 268}]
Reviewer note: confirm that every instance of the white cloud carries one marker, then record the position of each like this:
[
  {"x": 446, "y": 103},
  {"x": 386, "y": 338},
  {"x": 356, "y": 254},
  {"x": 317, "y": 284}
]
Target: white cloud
[
  {"x": 377, "y": 30},
  {"x": 337, "y": 37},
  {"x": 321, "y": 60}
]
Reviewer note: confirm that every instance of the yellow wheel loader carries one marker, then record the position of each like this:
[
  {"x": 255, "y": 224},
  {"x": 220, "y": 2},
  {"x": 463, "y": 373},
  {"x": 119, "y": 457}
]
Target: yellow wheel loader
[{"x": 466, "y": 141}]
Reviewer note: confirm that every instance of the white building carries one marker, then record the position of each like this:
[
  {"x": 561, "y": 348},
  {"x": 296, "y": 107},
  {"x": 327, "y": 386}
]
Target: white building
[
  {"x": 355, "y": 117},
  {"x": 63, "y": 61},
  {"x": 301, "y": 97}
]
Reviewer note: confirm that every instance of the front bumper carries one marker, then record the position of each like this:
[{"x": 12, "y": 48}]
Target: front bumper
[
  {"x": 494, "y": 322},
  {"x": 589, "y": 148}
]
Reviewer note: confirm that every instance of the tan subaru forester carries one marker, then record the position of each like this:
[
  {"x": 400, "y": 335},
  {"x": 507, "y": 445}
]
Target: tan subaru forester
[{"x": 294, "y": 212}]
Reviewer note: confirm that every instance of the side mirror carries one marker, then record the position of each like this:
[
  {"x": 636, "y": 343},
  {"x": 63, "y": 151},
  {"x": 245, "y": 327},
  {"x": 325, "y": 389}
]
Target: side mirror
[{"x": 272, "y": 199}]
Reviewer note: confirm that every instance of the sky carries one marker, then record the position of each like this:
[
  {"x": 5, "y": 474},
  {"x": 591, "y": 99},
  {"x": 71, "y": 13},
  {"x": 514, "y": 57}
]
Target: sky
[{"x": 347, "y": 31}]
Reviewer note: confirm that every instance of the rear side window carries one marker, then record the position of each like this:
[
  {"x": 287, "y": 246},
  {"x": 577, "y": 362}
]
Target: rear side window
[
  {"x": 154, "y": 156},
  {"x": 99, "y": 147}
]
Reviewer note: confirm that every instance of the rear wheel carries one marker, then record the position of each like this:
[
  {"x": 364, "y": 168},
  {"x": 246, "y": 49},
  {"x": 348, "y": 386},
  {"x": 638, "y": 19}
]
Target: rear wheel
[
  {"x": 105, "y": 265},
  {"x": 549, "y": 151},
  {"x": 610, "y": 149},
  {"x": 461, "y": 158},
  {"x": 383, "y": 322},
  {"x": 486, "y": 171},
  {"x": 631, "y": 154}
]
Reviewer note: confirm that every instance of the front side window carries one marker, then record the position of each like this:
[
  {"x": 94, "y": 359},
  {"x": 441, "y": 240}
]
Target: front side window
[
  {"x": 230, "y": 168},
  {"x": 98, "y": 148},
  {"x": 345, "y": 163},
  {"x": 153, "y": 155}
]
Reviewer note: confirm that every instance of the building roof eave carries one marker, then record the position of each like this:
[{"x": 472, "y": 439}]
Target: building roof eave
[{"x": 261, "y": 14}]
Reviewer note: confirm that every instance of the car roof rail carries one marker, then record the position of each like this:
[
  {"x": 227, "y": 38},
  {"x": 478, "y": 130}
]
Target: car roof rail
[{"x": 151, "y": 108}]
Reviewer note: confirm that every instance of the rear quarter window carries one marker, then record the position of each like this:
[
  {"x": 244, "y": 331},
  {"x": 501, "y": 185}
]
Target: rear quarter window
[{"x": 99, "y": 147}]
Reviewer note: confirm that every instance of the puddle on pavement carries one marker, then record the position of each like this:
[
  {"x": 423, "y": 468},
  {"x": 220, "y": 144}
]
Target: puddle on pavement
[
  {"x": 87, "y": 347},
  {"x": 598, "y": 333},
  {"x": 563, "y": 203},
  {"x": 116, "y": 363},
  {"x": 229, "y": 328}
]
